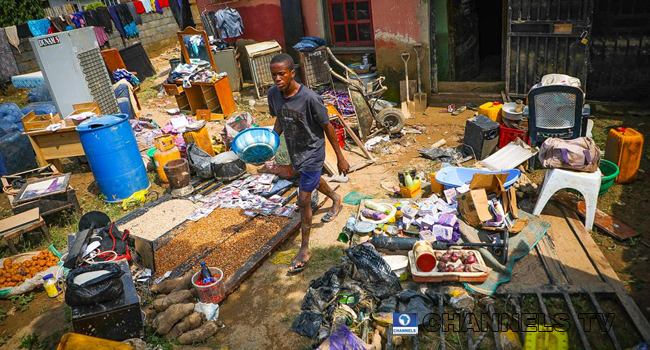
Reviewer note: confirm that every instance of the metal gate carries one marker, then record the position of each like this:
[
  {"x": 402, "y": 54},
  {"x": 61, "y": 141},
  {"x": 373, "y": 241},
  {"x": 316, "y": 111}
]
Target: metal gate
[{"x": 547, "y": 36}]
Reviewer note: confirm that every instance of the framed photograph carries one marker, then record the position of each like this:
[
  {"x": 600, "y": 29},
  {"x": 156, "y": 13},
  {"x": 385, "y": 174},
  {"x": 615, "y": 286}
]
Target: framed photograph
[{"x": 42, "y": 188}]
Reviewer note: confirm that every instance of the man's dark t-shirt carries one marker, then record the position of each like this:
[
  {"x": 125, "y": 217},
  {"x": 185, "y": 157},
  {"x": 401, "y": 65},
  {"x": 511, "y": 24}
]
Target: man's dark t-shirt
[{"x": 302, "y": 117}]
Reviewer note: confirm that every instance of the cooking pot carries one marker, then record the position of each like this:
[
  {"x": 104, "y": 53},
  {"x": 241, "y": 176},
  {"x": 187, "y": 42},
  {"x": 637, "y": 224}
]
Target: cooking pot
[{"x": 227, "y": 166}]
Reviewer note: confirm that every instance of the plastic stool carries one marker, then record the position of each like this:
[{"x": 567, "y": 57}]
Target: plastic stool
[{"x": 587, "y": 183}]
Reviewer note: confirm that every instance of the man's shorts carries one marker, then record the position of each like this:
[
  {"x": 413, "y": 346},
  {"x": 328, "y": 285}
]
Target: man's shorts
[{"x": 309, "y": 180}]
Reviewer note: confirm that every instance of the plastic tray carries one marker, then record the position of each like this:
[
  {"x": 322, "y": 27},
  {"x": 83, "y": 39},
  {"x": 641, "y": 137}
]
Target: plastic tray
[{"x": 435, "y": 276}]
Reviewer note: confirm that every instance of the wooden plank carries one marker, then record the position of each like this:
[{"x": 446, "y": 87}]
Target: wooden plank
[
  {"x": 224, "y": 92},
  {"x": 21, "y": 219},
  {"x": 331, "y": 161},
  {"x": 60, "y": 145},
  {"x": 603, "y": 221},
  {"x": 351, "y": 133}
]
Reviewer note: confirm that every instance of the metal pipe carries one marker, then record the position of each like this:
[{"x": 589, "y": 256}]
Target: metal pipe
[
  {"x": 574, "y": 315},
  {"x": 600, "y": 312}
]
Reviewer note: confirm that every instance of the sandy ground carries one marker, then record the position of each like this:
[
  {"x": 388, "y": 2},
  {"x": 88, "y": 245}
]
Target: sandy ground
[{"x": 259, "y": 314}]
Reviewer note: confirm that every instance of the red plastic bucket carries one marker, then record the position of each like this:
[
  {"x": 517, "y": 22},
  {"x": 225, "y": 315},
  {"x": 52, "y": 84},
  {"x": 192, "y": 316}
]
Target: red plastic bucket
[{"x": 212, "y": 293}]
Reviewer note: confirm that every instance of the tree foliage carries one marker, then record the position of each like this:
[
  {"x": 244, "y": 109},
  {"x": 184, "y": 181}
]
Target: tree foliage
[
  {"x": 14, "y": 12},
  {"x": 93, "y": 6}
]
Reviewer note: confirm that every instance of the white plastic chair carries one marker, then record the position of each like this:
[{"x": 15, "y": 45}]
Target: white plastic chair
[{"x": 587, "y": 183}]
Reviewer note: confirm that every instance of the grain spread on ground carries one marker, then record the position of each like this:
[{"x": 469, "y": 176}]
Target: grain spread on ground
[
  {"x": 161, "y": 218},
  {"x": 239, "y": 248},
  {"x": 197, "y": 237}
]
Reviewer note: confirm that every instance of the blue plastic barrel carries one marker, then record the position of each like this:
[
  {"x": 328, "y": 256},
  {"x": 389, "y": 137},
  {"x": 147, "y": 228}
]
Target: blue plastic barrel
[{"x": 113, "y": 155}]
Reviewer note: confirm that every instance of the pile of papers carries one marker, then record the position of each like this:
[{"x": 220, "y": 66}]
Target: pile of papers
[{"x": 246, "y": 194}]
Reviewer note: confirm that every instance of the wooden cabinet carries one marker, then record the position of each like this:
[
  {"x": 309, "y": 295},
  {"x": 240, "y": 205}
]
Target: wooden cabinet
[
  {"x": 227, "y": 60},
  {"x": 216, "y": 97}
]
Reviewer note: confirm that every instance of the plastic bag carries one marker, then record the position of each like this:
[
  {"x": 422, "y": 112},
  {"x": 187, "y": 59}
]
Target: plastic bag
[
  {"x": 105, "y": 287},
  {"x": 373, "y": 272},
  {"x": 307, "y": 324},
  {"x": 199, "y": 161},
  {"x": 414, "y": 302},
  {"x": 343, "y": 339},
  {"x": 211, "y": 311}
]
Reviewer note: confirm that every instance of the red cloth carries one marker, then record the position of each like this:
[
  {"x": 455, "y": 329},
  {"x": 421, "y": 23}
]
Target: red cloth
[
  {"x": 139, "y": 8},
  {"x": 163, "y": 3}
]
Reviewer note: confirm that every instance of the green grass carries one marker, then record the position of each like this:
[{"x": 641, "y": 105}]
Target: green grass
[
  {"x": 29, "y": 341},
  {"x": 22, "y": 301}
]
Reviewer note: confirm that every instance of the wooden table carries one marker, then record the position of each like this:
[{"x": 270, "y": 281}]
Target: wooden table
[
  {"x": 16, "y": 225},
  {"x": 51, "y": 146},
  {"x": 216, "y": 97}
]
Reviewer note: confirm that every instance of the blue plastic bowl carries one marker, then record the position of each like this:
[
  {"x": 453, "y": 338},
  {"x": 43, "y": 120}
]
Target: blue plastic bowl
[
  {"x": 256, "y": 145},
  {"x": 456, "y": 177}
]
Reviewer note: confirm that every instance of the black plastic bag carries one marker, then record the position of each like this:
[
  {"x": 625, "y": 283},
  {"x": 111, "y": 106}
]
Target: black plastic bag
[
  {"x": 105, "y": 287},
  {"x": 322, "y": 290},
  {"x": 373, "y": 272},
  {"x": 199, "y": 161},
  {"x": 414, "y": 302},
  {"x": 307, "y": 324}
]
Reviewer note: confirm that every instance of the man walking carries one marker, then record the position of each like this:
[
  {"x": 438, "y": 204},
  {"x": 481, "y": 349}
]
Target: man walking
[{"x": 303, "y": 118}]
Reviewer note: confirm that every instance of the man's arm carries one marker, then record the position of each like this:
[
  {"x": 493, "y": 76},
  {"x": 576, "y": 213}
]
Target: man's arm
[
  {"x": 341, "y": 163},
  {"x": 277, "y": 127}
]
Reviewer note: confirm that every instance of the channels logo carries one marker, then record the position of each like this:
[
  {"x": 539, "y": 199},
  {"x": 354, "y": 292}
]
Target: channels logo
[{"x": 405, "y": 324}]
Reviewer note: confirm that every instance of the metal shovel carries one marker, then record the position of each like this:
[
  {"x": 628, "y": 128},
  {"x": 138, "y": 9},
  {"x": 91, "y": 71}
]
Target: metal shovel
[
  {"x": 420, "y": 97},
  {"x": 405, "y": 105}
]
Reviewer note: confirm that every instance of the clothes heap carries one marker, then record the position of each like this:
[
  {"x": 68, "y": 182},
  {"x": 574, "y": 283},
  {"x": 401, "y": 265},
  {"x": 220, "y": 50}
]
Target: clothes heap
[{"x": 249, "y": 194}]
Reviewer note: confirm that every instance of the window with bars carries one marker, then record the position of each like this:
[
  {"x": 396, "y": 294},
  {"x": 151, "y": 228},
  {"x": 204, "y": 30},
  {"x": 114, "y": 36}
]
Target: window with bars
[
  {"x": 351, "y": 22},
  {"x": 111, "y": 2}
]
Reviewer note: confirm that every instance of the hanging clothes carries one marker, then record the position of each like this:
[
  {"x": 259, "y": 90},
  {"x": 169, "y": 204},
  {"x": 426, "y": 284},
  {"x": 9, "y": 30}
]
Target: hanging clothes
[
  {"x": 12, "y": 37},
  {"x": 208, "y": 26},
  {"x": 127, "y": 20},
  {"x": 8, "y": 66},
  {"x": 139, "y": 7},
  {"x": 112, "y": 10},
  {"x": 78, "y": 19},
  {"x": 163, "y": 3},
  {"x": 147, "y": 6},
  {"x": 39, "y": 27},
  {"x": 104, "y": 17},
  {"x": 101, "y": 36},
  {"x": 156, "y": 5},
  {"x": 23, "y": 31},
  {"x": 134, "y": 13},
  {"x": 176, "y": 11},
  {"x": 230, "y": 23},
  {"x": 186, "y": 14},
  {"x": 91, "y": 18},
  {"x": 58, "y": 23}
]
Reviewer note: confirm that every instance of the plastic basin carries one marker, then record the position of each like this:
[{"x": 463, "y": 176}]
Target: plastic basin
[
  {"x": 456, "y": 177},
  {"x": 610, "y": 172},
  {"x": 213, "y": 293},
  {"x": 256, "y": 145}
]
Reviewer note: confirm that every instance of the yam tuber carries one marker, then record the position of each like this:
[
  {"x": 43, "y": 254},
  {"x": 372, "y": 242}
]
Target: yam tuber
[
  {"x": 190, "y": 322},
  {"x": 166, "y": 320},
  {"x": 173, "y": 285},
  {"x": 184, "y": 283},
  {"x": 162, "y": 304},
  {"x": 200, "y": 334}
]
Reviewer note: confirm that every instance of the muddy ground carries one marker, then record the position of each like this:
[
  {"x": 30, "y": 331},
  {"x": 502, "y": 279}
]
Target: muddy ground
[{"x": 258, "y": 315}]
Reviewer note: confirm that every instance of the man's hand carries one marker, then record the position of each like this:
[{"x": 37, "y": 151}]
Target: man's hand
[{"x": 343, "y": 165}]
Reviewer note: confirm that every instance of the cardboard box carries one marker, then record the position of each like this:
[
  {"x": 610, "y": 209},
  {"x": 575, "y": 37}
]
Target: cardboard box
[{"x": 473, "y": 205}]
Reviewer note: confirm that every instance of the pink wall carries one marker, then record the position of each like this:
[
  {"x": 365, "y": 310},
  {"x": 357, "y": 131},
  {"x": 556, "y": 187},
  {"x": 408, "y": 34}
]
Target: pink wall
[
  {"x": 262, "y": 18},
  {"x": 396, "y": 20}
]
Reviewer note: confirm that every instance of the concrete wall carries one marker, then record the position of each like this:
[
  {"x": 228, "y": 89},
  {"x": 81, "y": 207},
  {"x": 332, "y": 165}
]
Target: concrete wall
[
  {"x": 156, "y": 32},
  {"x": 398, "y": 25}
]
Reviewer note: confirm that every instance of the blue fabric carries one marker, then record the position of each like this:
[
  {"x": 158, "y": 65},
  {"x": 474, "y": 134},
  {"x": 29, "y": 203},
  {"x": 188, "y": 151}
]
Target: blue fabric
[
  {"x": 230, "y": 23},
  {"x": 317, "y": 40},
  {"x": 124, "y": 74},
  {"x": 131, "y": 30},
  {"x": 78, "y": 19},
  {"x": 116, "y": 20},
  {"x": 305, "y": 45},
  {"x": 309, "y": 180},
  {"x": 39, "y": 27}
]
